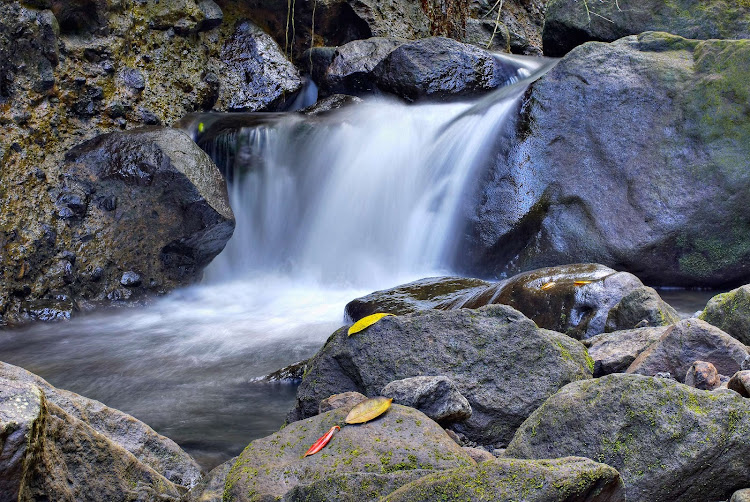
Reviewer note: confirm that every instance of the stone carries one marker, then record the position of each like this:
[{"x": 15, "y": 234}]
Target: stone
[
  {"x": 740, "y": 383},
  {"x": 679, "y": 99},
  {"x": 659, "y": 434},
  {"x": 500, "y": 361},
  {"x": 212, "y": 15},
  {"x": 703, "y": 376},
  {"x": 403, "y": 441},
  {"x": 435, "y": 396},
  {"x": 614, "y": 352},
  {"x": 291, "y": 374},
  {"x": 130, "y": 279},
  {"x": 741, "y": 496},
  {"x": 331, "y": 104},
  {"x": 478, "y": 454},
  {"x": 211, "y": 486},
  {"x": 688, "y": 341},
  {"x": 351, "y": 68},
  {"x": 569, "y": 23},
  {"x": 563, "y": 479},
  {"x": 640, "y": 308},
  {"x": 345, "y": 400},
  {"x": 730, "y": 312},
  {"x": 518, "y": 30}
]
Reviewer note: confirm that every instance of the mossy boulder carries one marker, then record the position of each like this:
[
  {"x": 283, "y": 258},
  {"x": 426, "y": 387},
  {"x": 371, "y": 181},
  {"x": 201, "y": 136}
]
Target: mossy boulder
[
  {"x": 364, "y": 461},
  {"x": 500, "y": 361},
  {"x": 632, "y": 154},
  {"x": 567, "y": 479},
  {"x": 670, "y": 442},
  {"x": 640, "y": 308},
  {"x": 730, "y": 312},
  {"x": 569, "y": 23},
  {"x": 615, "y": 352}
]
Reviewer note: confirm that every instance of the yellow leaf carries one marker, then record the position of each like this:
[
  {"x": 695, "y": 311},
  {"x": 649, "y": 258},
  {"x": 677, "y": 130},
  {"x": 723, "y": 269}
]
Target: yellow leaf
[
  {"x": 365, "y": 323},
  {"x": 368, "y": 410},
  {"x": 581, "y": 283},
  {"x": 548, "y": 286}
]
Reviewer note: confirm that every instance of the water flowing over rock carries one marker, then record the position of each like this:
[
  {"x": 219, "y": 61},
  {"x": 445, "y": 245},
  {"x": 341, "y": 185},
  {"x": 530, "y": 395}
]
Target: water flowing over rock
[
  {"x": 499, "y": 360},
  {"x": 569, "y": 23},
  {"x": 669, "y": 442},
  {"x": 626, "y": 154},
  {"x": 730, "y": 312},
  {"x": 361, "y": 462},
  {"x": 568, "y": 479}
]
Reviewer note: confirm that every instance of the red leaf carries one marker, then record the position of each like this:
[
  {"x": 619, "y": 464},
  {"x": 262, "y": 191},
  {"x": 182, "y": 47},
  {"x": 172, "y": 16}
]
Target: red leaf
[{"x": 320, "y": 443}]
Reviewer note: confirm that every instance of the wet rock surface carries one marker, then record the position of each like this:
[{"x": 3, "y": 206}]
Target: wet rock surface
[{"x": 668, "y": 441}]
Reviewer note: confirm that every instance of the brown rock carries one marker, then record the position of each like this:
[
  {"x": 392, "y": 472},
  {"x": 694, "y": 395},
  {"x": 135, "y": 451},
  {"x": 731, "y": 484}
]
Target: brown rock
[
  {"x": 740, "y": 383},
  {"x": 478, "y": 454},
  {"x": 703, "y": 376},
  {"x": 345, "y": 400}
]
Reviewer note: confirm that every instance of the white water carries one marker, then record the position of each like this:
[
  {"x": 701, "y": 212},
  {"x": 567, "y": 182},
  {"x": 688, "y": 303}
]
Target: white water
[{"x": 327, "y": 210}]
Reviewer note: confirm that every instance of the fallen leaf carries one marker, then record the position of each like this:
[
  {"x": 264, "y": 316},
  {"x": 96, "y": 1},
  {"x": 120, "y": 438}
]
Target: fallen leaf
[
  {"x": 322, "y": 442},
  {"x": 548, "y": 286},
  {"x": 581, "y": 283},
  {"x": 368, "y": 410},
  {"x": 365, "y": 323}
]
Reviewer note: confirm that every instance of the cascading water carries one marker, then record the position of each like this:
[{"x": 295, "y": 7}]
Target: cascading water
[{"x": 328, "y": 208}]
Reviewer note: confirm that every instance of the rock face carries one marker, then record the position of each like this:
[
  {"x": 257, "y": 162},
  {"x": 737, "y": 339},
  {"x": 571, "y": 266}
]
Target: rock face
[
  {"x": 435, "y": 396},
  {"x": 392, "y": 450},
  {"x": 615, "y": 352},
  {"x": 669, "y": 442},
  {"x": 61, "y": 446},
  {"x": 564, "y": 479},
  {"x": 580, "y": 300},
  {"x": 686, "y": 342},
  {"x": 500, "y": 361},
  {"x": 569, "y": 23},
  {"x": 730, "y": 312},
  {"x": 668, "y": 200},
  {"x": 518, "y": 30}
]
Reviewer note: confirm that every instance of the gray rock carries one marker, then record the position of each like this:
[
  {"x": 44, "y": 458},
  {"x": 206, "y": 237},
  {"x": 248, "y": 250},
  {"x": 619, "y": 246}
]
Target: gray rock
[
  {"x": 741, "y": 496},
  {"x": 639, "y": 305},
  {"x": 688, "y": 341},
  {"x": 740, "y": 383},
  {"x": 669, "y": 442},
  {"x": 614, "y": 352},
  {"x": 350, "y": 70},
  {"x": 500, "y": 361},
  {"x": 289, "y": 374},
  {"x": 435, "y": 396},
  {"x": 563, "y": 479},
  {"x": 213, "y": 16},
  {"x": 345, "y": 400},
  {"x": 130, "y": 279},
  {"x": 703, "y": 376},
  {"x": 569, "y": 23},
  {"x": 402, "y": 439},
  {"x": 746, "y": 363},
  {"x": 256, "y": 74},
  {"x": 211, "y": 486},
  {"x": 331, "y": 104},
  {"x": 133, "y": 78},
  {"x": 631, "y": 217},
  {"x": 730, "y": 312}
]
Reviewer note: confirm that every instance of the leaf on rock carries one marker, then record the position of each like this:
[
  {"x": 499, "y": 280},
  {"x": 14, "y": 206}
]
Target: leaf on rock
[
  {"x": 365, "y": 323},
  {"x": 581, "y": 283},
  {"x": 548, "y": 286},
  {"x": 320, "y": 443},
  {"x": 368, "y": 410}
]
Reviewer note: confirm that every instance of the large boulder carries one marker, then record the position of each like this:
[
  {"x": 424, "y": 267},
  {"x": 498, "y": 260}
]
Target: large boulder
[
  {"x": 730, "y": 312},
  {"x": 350, "y": 69},
  {"x": 58, "y": 445},
  {"x": 501, "y": 362},
  {"x": 390, "y": 451},
  {"x": 568, "y": 479},
  {"x": 629, "y": 154},
  {"x": 669, "y": 442},
  {"x": 569, "y": 23},
  {"x": 686, "y": 342},
  {"x": 615, "y": 352}
]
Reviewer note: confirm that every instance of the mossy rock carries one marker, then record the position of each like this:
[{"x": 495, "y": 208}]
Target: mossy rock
[
  {"x": 670, "y": 442},
  {"x": 730, "y": 312}
]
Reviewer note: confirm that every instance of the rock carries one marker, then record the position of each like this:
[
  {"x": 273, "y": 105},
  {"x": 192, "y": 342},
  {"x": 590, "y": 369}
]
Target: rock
[
  {"x": 688, "y": 341},
  {"x": 703, "y": 376},
  {"x": 746, "y": 363},
  {"x": 259, "y": 76},
  {"x": 435, "y": 396},
  {"x": 639, "y": 305},
  {"x": 345, "y": 400},
  {"x": 290, "y": 374},
  {"x": 62, "y": 446},
  {"x": 401, "y": 441},
  {"x": 352, "y": 65},
  {"x": 740, "y": 383},
  {"x": 478, "y": 454},
  {"x": 741, "y": 496},
  {"x": 663, "y": 437},
  {"x": 331, "y": 104},
  {"x": 440, "y": 68},
  {"x": 211, "y": 487},
  {"x": 213, "y": 16},
  {"x": 678, "y": 98},
  {"x": 130, "y": 279},
  {"x": 563, "y": 479},
  {"x": 569, "y": 23},
  {"x": 730, "y": 312},
  {"x": 614, "y": 352},
  {"x": 500, "y": 361}
]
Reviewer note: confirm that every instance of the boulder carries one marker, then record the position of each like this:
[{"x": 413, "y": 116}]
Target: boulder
[
  {"x": 258, "y": 76},
  {"x": 703, "y": 376},
  {"x": 741, "y": 496},
  {"x": 350, "y": 70},
  {"x": 331, "y": 104},
  {"x": 614, "y": 352},
  {"x": 518, "y": 29},
  {"x": 569, "y": 23},
  {"x": 211, "y": 487},
  {"x": 564, "y": 479},
  {"x": 669, "y": 442},
  {"x": 440, "y": 68},
  {"x": 730, "y": 312},
  {"x": 686, "y": 342},
  {"x": 501, "y": 362},
  {"x": 345, "y": 400},
  {"x": 740, "y": 383},
  {"x": 435, "y": 396},
  {"x": 478, "y": 454},
  {"x": 391, "y": 450},
  {"x": 683, "y": 103},
  {"x": 641, "y": 304},
  {"x": 61, "y": 446}
]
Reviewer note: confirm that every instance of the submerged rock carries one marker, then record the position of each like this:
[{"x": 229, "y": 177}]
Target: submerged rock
[
  {"x": 730, "y": 312},
  {"x": 569, "y": 479},
  {"x": 500, "y": 361},
  {"x": 669, "y": 442},
  {"x": 361, "y": 462}
]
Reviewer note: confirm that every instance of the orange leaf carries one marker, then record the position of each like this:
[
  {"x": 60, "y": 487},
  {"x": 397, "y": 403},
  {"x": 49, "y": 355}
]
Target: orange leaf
[{"x": 322, "y": 442}]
